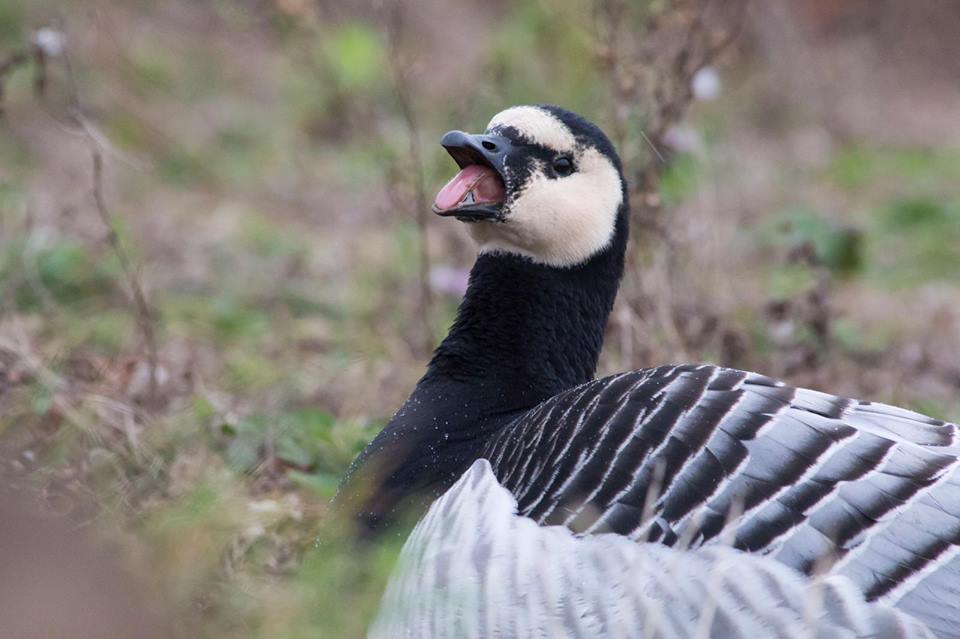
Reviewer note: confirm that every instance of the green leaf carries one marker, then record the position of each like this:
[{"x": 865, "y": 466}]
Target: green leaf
[
  {"x": 323, "y": 484},
  {"x": 11, "y": 23},
  {"x": 242, "y": 454},
  {"x": 41, "y": 400},
  {"x": 840, "y": 248},
  {"x": 244, "y": 451},
  {"x": 915, "y": 213},
  {"x": 680, "y": 180},
  {"x": 293, "y": 450},
  {"x": 790, "y": 281},
  {"x": 356, "y": 55},
  {"x": 302, "y": 435}
]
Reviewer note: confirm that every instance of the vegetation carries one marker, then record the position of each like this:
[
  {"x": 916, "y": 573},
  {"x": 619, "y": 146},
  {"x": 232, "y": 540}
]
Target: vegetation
[{"x": 263, "y": 165}]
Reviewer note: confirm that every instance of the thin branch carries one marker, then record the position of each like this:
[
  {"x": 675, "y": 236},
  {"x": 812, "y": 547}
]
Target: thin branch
[
  {"x": 23, "y": 57},
  {"x": 650, "y": 54},
  {"x": 143, "y": 314},
  {"x": 686, "y": 64},
  {"x": 37, "y": 52},
  {"x": 401, "y": 89},
  {"x": 12, "y": 62},
  {"x": 627, "y": 57},
  {"x": 653, "y": 147}
]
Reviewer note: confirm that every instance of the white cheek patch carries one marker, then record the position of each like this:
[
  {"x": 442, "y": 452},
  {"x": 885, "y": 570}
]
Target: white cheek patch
[
  {"x": 537, "y": 125},
  {"x": 559, "y": 222}
]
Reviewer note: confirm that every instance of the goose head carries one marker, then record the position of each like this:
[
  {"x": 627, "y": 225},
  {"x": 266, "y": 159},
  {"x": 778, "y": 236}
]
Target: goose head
[{"x": 541, "y": 182}]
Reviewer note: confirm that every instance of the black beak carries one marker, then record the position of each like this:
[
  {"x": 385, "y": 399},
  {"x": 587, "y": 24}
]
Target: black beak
[
  {"x": 483, "y": 149},
  {"x": 466, "y": 149}
]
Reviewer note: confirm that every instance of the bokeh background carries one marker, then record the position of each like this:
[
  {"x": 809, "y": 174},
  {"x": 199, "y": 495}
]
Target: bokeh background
[{"x": 219, "y": 276}]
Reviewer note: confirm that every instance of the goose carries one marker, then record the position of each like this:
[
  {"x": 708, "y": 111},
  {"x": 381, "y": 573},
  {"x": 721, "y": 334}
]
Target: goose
[{"x": 697, "y": 466}]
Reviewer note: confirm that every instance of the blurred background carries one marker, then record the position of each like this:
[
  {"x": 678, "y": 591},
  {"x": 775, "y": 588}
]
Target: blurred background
[{"x": 219, "y": 275}]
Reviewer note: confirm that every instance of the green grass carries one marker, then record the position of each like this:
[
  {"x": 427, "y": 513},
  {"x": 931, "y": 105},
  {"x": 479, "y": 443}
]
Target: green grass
[{"x": 859, "y": 168}]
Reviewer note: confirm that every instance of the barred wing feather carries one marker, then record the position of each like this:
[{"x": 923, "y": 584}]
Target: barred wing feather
[
  {"x": 474, "y": 568},
  {"x": 690, "y": 455}
]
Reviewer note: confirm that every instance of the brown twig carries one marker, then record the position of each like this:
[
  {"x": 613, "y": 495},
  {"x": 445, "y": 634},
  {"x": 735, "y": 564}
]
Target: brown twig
[
  {"x": 651, "y": 78},
  {"x": 696, "y": 53},
  {"x": 17, "y": 59},
  {"x": 650, "y": 55},
  {"x": 6, "y": 68},
  {"x": 13, "y": 61},
  {"x": 394, "y": 24},
  {"x": 142, "y": 312}
]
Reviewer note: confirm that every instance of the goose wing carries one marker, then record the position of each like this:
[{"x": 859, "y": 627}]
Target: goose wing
[
  {"x": 474, "y": 568},
  {"x": 693, "y": 455}
]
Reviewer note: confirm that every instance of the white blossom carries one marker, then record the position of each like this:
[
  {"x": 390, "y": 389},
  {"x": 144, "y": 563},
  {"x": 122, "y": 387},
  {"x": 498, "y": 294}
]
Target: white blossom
[
  {"x": 50, "y": 41},
  {"x": 706, "y": 84}
]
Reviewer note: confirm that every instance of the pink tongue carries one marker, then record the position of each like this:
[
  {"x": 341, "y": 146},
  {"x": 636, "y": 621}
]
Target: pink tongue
[{"x": 482, "y": 181}]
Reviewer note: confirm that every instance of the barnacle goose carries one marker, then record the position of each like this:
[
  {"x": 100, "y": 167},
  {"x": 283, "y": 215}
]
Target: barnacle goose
[{"x": 863, "y": 494}]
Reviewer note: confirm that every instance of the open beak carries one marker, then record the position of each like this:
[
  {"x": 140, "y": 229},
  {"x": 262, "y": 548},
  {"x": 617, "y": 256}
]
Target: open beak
[{"x": 478, "y": 191}]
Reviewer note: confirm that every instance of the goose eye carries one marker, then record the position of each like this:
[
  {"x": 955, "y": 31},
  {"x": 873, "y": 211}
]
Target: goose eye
[{"x": 563, "y": 165}]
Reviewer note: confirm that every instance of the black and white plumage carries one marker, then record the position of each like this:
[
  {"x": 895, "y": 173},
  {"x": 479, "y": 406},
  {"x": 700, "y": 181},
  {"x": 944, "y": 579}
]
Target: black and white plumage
[
  {"x": 514, "y": 578},
  {"x": 674, "y": 455},
  {"x": 865, "y": 493}
]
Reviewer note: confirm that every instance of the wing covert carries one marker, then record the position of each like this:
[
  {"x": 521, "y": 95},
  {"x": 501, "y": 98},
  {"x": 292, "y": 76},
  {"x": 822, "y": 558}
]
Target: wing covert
[{"x": 699, "y": 455}]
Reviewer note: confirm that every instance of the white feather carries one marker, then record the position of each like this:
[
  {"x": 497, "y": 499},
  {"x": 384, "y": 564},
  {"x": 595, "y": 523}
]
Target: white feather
[
  {"x": 537, "y": 125},
  {"x": 474, "y": 568}
]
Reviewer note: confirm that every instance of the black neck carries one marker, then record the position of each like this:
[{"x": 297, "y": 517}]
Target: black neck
[{"x": 524, "y": 332}]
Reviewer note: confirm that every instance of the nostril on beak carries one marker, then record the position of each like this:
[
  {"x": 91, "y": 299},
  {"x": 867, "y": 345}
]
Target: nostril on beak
[{"x": 488, "y": 145}]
